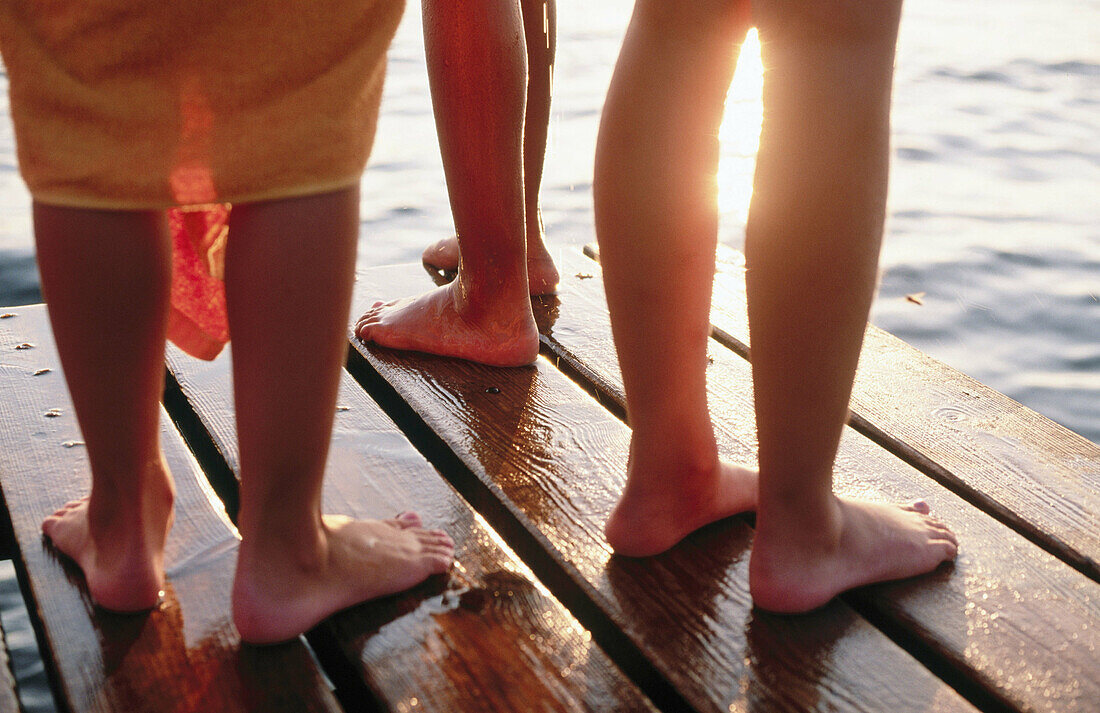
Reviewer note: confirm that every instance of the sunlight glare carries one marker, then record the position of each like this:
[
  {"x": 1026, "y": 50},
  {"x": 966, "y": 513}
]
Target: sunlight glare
[{"x": 740, "y": 133}]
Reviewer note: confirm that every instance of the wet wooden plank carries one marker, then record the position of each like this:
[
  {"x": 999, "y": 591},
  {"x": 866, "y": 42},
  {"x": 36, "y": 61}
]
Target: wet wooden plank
[
  {"x": 1010, "y": 617},
  {"x": 1037, "y": 476},
  {"x": 487, "y": 638},
  {"x": 546, "y": 462},
  {"x": 9, "y": 701},
  {"x": 186, "y": 655}
]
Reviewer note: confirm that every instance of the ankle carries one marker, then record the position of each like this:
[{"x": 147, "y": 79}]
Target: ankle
[
  {"x": 506, "y": 300},
  {"x": 288, "y": 541},
  {"x": 536, "y": 244},
  {"x": 689, "y": 476},
  {"x": 491, "y": 279},
  {"x": 691, "y": 453},
  {"x": 799, "y": 526},
  {"x": 115, "y": 507}
]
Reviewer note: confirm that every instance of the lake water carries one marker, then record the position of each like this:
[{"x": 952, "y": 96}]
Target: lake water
[{"x": 994, "y": 210}]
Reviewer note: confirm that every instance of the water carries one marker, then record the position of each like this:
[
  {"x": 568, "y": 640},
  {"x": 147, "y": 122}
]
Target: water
[{"x": 993, "y": 207}]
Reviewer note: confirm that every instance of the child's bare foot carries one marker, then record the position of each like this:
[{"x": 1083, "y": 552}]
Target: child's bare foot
[
  {"x": 542, "y": 273},
  {"x": 443, "y": 322},
  {"x": 118, "y": 544},
  {"x": 869, "y": 542},
  {"x": 655, "y": 513},
  {"x": 277, "y": 596}
]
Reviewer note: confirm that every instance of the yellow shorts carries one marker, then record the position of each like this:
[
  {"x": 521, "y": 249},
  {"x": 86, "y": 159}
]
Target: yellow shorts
[{"x": 143, "y": 104}]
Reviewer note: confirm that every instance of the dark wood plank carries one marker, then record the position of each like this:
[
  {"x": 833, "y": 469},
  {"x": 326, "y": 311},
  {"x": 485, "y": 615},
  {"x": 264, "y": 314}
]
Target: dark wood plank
[
  {"x": 1007, "y": 615},
  {"x": 1038, "y": 477},
  {"x": 185, "y": 655},
  {"x": 9, "y": 701},
  {"x": 489, "y": 638},
  {"x": 546, "y": 462}
]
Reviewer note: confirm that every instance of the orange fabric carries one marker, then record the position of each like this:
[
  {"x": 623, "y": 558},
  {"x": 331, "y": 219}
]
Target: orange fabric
[
  {"x": 150, "y": 104},
  {"x": 197, "y": 322},
  {"x": 139, "y": 104}
]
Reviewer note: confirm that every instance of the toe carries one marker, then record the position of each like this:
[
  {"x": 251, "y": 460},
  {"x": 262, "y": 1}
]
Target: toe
[
  {"x": 936, "y": 524},
  {"x": 946, "y": 533},
  {"x": 71, "y": 505},
  {"x": 407, "y": 519},
  {"x": 434, "y": 537},
  {"x": 439, "y": 549},
  {"x": 920, "y": 506},
  {"x": 440, "y": 563}
]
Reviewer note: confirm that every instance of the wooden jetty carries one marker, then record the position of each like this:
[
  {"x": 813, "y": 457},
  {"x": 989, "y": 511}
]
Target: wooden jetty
[{"x": 522, "y": 467}]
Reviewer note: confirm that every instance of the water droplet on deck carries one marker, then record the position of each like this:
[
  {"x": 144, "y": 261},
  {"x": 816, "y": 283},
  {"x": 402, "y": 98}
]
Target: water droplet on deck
[
  {"x": 72, "y": 444},
  {"x": 53, "y": 413},
  {"x": 492, "y": 390},
  {"x": 341, "y": 409}
]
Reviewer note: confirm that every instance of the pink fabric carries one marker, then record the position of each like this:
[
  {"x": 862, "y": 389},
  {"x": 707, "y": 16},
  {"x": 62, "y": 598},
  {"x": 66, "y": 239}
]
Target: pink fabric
[{"x": 198, "y": 323}]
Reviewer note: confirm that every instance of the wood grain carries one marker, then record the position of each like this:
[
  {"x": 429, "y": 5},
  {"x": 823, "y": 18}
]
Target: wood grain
[
  {"x": 1038, "y": 477},
  {"x": 546, "y": 461},
  {"x": 1008, "y": 616},
  {"x": 184, "y": 656},
  {"x": 486, "y": 638}
]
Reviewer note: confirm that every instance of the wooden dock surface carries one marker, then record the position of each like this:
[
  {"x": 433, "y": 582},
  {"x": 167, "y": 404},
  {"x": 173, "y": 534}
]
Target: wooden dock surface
[{"x": 522, "y": 467}]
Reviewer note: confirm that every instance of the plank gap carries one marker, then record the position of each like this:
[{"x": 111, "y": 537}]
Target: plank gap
[
  {"x": 350, "y": 690},
  {"x": 534, "y": 554},
  {"x": 588, "y": 382},
  {"x": 957, "y": 676},
  {"x": 34, "y": 616},
  {"x": 1046, "y": 541},
  {"x": 904, "y": 620},
  {"x": 942, "y": 667},
  {"x": 212, "y": 461}
]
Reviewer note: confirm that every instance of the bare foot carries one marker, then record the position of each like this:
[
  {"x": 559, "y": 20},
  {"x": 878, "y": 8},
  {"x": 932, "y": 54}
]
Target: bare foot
[
  {"x": 119, "y": 548},
  {"x": 542, "y": 274},
  {"x": 443, "y": 322},
  {"x": 654, "y": 514},
  {"x": 870, "y": 542},
  {"x": 276, "y": 598}
]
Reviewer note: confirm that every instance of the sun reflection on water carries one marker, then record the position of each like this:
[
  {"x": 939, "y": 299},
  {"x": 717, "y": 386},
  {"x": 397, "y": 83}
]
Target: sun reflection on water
[{"x": 740, "y": 133}]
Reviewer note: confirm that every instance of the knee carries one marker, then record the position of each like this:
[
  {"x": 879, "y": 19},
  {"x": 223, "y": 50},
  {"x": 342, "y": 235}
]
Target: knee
[
  {"x": 828, "y": 21},
  {"x": 695, "y": 19}
]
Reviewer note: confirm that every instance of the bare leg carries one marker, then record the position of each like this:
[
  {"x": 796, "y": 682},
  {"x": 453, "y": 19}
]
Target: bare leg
[
  {"x": 478, "y": 78},
  {"x": 656, "y": 218},
  {"x": 815, "y": 227},
  {"x": 540, "y": 30},
  {"x": 297, "y": 566},
  {"x": 540, "y": 23},
  {"x": 111, "y": 343}
]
